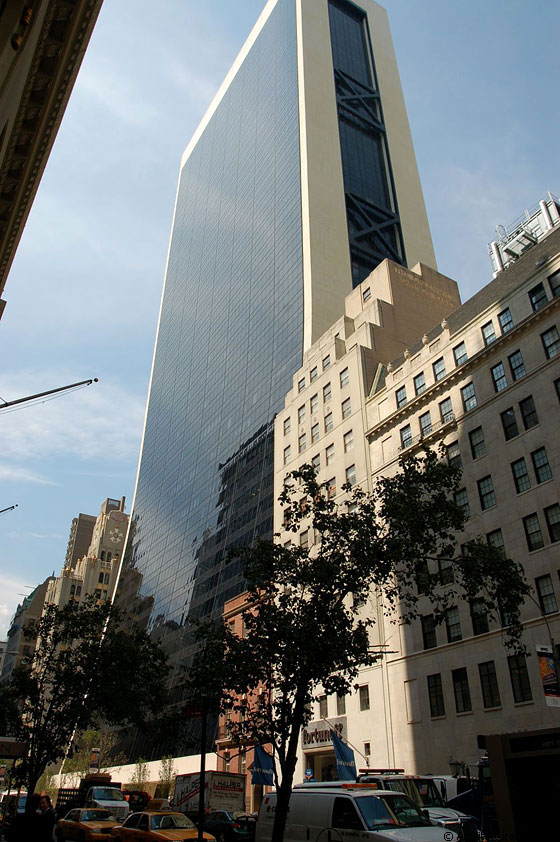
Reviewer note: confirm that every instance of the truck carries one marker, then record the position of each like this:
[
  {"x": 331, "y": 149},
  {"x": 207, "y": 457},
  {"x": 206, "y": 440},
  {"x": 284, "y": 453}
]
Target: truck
[
  {"x": 222, "y": 791},
  {"x": 93, "y": 791}
]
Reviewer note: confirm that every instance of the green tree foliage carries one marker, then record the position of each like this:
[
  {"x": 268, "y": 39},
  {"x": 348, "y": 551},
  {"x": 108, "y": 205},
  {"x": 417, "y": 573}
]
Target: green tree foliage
[
  {"x": 85, "y": 668},
  {"x": 167, "y": 775},
  {"x": 140, "y": 774},
  {"x": 307, "y": 620}
]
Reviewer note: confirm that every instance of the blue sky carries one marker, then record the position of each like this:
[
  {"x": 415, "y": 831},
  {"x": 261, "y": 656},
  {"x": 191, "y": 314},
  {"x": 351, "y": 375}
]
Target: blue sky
[{"x": 481, "y": 84}]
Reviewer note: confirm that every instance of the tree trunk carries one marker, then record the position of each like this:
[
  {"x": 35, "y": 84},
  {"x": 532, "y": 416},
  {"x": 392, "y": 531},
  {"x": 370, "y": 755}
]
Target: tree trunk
[{"x": 284, "y": 791}]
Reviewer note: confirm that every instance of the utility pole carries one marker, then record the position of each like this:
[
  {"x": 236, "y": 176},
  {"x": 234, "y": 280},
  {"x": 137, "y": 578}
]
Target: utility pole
[{"x": 6, "y": 404}]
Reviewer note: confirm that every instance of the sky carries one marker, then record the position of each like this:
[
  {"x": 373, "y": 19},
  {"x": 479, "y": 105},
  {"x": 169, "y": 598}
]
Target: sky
[{"x": 480, "y": 81}]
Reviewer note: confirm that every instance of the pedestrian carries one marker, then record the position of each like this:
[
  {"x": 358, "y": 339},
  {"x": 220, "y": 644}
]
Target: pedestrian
[
  {"x": 47, "y": 820},
  {"x": 25, "y": 826}
]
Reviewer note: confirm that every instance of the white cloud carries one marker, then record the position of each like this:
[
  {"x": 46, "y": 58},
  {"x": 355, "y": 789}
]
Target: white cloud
[
  {"x": 121, "y": 99},
  {"x": 103, "y": 420},
  {"x": 14, "y": 473},
  {"x": 35, "y": 535},
  {"x": 11, "y": 590}
]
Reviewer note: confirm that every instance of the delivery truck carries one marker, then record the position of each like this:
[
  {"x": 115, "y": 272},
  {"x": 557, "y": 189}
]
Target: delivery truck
[{"x": 222, "y": 791}]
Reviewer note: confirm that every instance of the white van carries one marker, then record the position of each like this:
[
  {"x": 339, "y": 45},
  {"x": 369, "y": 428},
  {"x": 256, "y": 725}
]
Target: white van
[{"x": 350, "y": 812}]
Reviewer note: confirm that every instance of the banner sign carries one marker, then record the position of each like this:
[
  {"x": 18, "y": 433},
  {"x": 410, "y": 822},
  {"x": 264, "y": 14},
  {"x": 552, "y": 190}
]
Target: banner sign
[
  {"x": 262, "y": 768},
  {"x": 345, "y": 763},
  {"x": 94, "y": 760},
  {"x": 549, "y": 678}
]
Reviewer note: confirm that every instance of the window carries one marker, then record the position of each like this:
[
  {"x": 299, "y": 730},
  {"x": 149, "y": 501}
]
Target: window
[
  {"x": 329, "y": 454},
  {"x": 435, "y": 694},
  {"x": 489, "y": 684},
  {"x": 344, "y": 378},
  {"x": 420, "y": 383},
  {"x": 516, "y": 365},
  {"x": 346, "y": 408},
  {"x": 323, "y": 707},
  {"x": 496, "y": 540},
  {"x": 462, "y": 501},
  {"x": 429, "y": 637},
  {"x": 313, "y": 374},
  {"x": 366, "y": 295},
  {"x": 460, "y": 353},
  {"x": 478, "y": 445},
  {"x": 499, "y": 377},
  {"x": 301, "y": 414},
  {"x": 545, "y": 592},
  {"x": 78, "y": 590},
  {"x": 552, "y": 515},
  {"x": 551, "y": 342},
  {"x": 400, "y": 396},
  {"x": 509, "y": 423},
  {"x": 453, "y": 624},
  {"x": 364, "y": 697},
  {"x": 301, "y": 384},
  {"x": 486, "y": 492},
  {"x": 446, "y": 410},
  {"x": 304, "y": 539},
  {"x": 287, "y": 454},
  {"x": 541, "y": 465},
  {"x": 557, "y": 387},
  {"x": 537, "y": 297},
  {"x": 505, "y": 319},
  {"x": 520, "y": 475},
  {"x": 331, "y": 488},
  {"x": 287, "y": 426},
  {"x": 340, "y": 705},
  {"x": 328, "y": 422},
  {"x": 351, "y": 475},
  {"x": 454, "y": 455},
  {"x": 554, "y": 281},
  {"x": 100, "y": 580},
  {"x": 528, "y": 412},
  {"x": 326, "y": 362},
  {"x": 314, "y": 404},
  {"x": 439, "y": 369},
  {"x": 520, "y": 684},
  {"x": 445, "y": 566},
  {"x": 367, "y": 750},
  {"x": 315, "y": 433},
  {"x": 488, "y": 333},
  {"x": 406, "y": 436},
  {"x": 533, "y": 532},
  {"x": 479, "y": 617},
  {"x": 461, "y": 690},
  {"x": 316, "y": 462},
  {"x": 348, "y": 441},
  {"x": 302, "y": 442},
  {"x": 468, "y": 397},
  {"x": 425, "y": 424},
  {"x": 327, "y": 394}
]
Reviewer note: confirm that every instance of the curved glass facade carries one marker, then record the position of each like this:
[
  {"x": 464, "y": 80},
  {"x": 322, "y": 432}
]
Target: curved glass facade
[{"x": 229, "y": 340}]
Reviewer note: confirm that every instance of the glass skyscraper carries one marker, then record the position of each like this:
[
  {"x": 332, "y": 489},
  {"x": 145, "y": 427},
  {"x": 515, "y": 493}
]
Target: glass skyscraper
[{"x": 287, "y": 196}]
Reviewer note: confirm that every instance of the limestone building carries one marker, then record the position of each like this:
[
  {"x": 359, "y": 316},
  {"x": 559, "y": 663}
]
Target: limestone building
[
  {"x": 18, "y": 645},
  {"x": 404, "y": 367},
  {"x": 96, "y": 572}
]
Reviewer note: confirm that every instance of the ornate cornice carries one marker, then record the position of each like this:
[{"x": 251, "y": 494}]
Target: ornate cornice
[{"x": 65, "y": 33}]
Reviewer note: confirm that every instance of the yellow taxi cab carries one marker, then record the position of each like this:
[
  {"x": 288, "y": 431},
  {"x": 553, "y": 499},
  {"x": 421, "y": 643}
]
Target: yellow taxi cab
[
  {"x": 89, "y": 824},
  {"x": 157, "y": 825}
]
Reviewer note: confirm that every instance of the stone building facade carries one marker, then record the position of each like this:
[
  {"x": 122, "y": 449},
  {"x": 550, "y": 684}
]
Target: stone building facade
[{"x": 407, "y": 367}]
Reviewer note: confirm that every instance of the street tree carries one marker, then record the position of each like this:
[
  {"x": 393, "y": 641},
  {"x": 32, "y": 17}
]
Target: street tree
[
  {"x": 167, "y": 775},
  {"x": 86, "y": 667},
  {"x": 308, "y": 629}
]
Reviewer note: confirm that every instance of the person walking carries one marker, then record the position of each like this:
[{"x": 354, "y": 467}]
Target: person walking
[{"x": 46, "y": 820}]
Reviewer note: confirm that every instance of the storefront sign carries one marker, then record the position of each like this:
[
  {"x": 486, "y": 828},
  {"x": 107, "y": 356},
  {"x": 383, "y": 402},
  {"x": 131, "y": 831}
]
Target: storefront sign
[
  {"x": 549, "y": 678},
  {"x": 318, "y": 734}
]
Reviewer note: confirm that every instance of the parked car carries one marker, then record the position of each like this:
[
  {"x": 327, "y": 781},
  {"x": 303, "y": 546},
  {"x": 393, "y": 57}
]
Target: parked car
[
  {"x": 86, "y": 825},
  {"x": 359, "y": 812},
  {"x": 157, "y": 826},
  {"x": 231, "y": 827}
]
